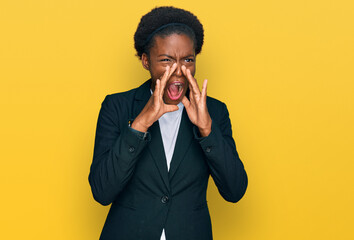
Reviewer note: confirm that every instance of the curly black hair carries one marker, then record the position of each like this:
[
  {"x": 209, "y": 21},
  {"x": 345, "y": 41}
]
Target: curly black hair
[{"x": 164, "y": 21}]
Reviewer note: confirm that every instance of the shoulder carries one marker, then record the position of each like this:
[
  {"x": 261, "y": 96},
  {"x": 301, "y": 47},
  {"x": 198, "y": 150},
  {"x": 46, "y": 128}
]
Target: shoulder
[
  {"x": 126, "y": 98},
  {"x": 216, "y": 107},
  {"x": 121, "y": 97},
  {"x": 213, "y": 102},
  {"x": 120, "y": 107},
  {"x": 118, "y": 102}
]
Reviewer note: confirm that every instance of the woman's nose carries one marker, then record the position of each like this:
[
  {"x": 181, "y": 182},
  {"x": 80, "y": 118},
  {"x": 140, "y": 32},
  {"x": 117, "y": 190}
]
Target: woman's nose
[{"x": 178, "y": 71}]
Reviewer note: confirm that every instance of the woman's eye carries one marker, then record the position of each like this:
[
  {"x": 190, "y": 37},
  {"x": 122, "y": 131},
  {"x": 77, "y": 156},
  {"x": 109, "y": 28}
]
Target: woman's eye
[
  {"x": 165, "y": 60},
  {"x": 189, "y": 60}
]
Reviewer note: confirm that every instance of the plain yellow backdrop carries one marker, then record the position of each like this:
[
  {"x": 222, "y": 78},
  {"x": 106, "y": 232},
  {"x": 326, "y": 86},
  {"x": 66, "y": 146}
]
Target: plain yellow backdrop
[{"x": 284, "y": 69}]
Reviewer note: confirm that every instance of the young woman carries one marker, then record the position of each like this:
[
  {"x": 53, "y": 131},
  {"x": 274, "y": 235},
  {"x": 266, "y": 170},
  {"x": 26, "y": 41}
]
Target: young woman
[{"x": 156, "y": 145}]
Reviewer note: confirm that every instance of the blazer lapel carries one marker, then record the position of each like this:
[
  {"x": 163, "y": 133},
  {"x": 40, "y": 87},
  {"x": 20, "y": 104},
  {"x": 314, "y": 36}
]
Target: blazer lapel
[
  {"x": 155, "y": 146},
  {"x": 158, "y": 153},
  {"x": 183, "y": 142}
]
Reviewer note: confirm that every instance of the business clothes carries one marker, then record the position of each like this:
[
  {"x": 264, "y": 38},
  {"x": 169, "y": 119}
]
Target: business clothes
[{"x": 130, "y": 171}]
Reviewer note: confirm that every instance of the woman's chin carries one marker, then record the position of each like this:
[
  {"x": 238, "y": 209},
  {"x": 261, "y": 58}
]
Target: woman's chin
[{"x": 172, "y": 102}]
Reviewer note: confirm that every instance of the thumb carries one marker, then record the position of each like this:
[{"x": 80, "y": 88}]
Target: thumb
[{"x": 170, "y": 108}]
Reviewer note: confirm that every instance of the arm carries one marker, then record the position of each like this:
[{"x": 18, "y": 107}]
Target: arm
[
  {"x": 224, "y": 163},
  {"x": 117, "y": 149},
  {"x": 216, "y": 141}
]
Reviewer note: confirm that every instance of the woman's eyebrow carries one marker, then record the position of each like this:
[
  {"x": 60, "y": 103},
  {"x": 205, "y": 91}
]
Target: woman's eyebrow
[{"x": 166, "y": 55}]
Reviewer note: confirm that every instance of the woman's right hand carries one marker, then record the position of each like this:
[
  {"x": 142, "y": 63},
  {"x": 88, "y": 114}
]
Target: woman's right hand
[{"x": 155, "y": 107}]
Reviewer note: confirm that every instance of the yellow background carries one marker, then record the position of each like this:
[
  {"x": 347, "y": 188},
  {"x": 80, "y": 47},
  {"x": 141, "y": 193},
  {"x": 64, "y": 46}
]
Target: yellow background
[{"x": 284, "y": 69}]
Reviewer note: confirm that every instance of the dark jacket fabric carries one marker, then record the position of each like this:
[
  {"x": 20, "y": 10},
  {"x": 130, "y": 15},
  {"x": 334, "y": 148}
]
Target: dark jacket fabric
[{"x": 130, "y": 172}]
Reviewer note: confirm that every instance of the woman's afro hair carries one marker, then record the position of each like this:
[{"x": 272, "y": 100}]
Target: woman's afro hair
[{"x": 161, "y": 16}]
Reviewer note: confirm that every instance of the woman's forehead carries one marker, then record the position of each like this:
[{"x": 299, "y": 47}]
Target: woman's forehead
[{"x": 173, "y": 44}]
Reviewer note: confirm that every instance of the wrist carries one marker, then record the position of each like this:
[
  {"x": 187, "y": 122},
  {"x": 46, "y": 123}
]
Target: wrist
[
  {"x": 137, "y": 125},
  {"x": 204, "y": 132}
]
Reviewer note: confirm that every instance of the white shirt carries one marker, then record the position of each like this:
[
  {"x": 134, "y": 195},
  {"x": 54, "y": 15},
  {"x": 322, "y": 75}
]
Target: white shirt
[{"x": 169, "y": 126}]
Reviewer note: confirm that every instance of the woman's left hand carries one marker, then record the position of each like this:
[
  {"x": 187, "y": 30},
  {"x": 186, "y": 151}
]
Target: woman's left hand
[{"x": 196, "y": 106}]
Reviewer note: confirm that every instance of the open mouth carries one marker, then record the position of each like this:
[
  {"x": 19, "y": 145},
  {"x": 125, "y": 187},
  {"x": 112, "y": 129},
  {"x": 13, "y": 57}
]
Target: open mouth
[{"x": 175, "y": 90}]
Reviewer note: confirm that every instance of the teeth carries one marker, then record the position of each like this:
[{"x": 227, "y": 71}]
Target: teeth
[{"x": 179, "y": 85}]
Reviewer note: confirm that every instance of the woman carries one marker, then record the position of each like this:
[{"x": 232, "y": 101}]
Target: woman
[{"x": 156, "y": 145}]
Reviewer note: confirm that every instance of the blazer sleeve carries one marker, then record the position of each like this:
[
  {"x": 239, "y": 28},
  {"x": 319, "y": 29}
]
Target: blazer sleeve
[
  {"x": 117, "y": 149},
  {"x": 223, "y": 160}
]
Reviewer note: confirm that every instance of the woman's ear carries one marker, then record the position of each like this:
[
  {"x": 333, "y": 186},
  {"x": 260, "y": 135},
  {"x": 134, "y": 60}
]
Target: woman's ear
[{"x": 145, "y": 61}]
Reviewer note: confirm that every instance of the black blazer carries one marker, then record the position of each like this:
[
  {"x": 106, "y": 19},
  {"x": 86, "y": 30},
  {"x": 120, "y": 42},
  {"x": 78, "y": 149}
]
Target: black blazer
[{"x": 131, "y": 172}]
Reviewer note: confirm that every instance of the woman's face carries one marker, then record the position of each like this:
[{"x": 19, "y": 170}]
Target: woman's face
[{"x": 175, "y": 48}]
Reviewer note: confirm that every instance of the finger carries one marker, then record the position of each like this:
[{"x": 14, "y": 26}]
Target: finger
[
  {"x": 173, "y": 69},
  {"x": 170, "y": 108},
  {"x": 169, "y": 71},
  {"x": 184, "y": 70},
  {"x": 164, "y": 80},
  {"x": 191, "y": 96},
  {"x": 156, "y": 92},
  {"x": 186, "y": 103},
  {"x": 192, "y": 82},
  {"x": 204, "y": 89}
]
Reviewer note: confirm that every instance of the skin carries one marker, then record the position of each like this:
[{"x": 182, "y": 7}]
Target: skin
[{"x": 172, "y": 59}]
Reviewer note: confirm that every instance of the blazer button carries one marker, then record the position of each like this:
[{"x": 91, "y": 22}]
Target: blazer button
[
  {"x": 164, "y": 199},
  {"x": 208, "y": 149},
  {"x": 131, "y": 149}
]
